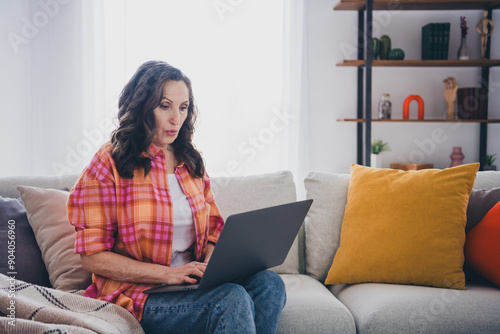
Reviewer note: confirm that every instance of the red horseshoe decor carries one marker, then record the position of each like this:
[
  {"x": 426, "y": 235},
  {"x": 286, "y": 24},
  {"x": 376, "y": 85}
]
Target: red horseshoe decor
[{"x": 406, "y": 106}]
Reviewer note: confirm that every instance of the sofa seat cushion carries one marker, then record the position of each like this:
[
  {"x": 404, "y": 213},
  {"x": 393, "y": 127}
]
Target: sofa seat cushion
[
  {"x": 392, "y": 308},
  {"x": 311, "y": 308}
]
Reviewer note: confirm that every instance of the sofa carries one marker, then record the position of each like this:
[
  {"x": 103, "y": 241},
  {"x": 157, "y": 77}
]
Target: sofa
[{"x": 312, "y": 306}]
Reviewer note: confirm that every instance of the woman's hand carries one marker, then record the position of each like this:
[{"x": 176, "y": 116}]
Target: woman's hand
[
  {"x": 124, "y": 269},
  {"x": 208, "y": 253},
  {"x": 188, "y": 273}
]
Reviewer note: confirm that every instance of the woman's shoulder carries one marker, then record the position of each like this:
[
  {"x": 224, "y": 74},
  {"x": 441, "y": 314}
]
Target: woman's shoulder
[
  {"x": 103, "y": 156},
  {"x": 102, "y": 165},
  {"x": 106, "y": 149}
]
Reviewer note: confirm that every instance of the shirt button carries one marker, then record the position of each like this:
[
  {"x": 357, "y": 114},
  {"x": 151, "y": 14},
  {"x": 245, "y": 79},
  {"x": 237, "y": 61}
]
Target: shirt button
[{"x": 200, "y": 242}]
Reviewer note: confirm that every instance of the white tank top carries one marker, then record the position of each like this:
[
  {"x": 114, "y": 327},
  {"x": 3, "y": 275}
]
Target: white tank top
[{"x": 184, "y": 232}]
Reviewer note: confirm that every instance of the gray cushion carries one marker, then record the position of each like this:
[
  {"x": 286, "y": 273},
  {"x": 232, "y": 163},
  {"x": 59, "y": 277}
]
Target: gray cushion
[
  {"x": 324, "y": 220},
  {"x": 311, "y": 308},
  {"x": 28, "y": 264},
  {"x": 8, "y": 185},
  {"x": 392, "y": 308},
  {"x": 244, "y": 193},
  {"x": 480, "y": 202},
  {"x": 487, "y": 180}
]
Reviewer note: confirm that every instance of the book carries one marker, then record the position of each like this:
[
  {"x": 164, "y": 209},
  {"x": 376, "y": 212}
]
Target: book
[
  {"x": 438, "y": 48},
  {"x": 435, "y": 41},
  {"x": 428, "y": 41},
  {"x": 446, "y": 40}
]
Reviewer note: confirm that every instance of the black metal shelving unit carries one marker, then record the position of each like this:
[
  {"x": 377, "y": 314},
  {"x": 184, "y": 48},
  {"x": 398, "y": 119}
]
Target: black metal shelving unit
[{"x": 365, "y": 62}]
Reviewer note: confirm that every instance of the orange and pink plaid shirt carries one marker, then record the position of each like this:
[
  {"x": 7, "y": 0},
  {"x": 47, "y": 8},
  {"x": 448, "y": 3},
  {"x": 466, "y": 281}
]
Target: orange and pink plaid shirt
[{"x": 134, "y": 218}]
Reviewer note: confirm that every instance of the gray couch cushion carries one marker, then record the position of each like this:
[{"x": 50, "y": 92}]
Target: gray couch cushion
[
  {"x": 324, "y": 220},
  {"x": 392, "y": 308},
  {"x": 20, "y": 245},
  {"x": 311, "y": 308},
  {"x": 233, "y": 195},
  {"x": 8, "y": 185},
  {"x": 480, "y": 202},
  {"x": 487, "y": 180},
  {"x": 244, "y": 193}
]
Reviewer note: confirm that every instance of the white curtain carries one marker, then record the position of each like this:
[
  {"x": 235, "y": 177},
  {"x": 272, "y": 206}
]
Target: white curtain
[
  {"x": 245, "y": 59},
  {"x": 295, "y": 92}
]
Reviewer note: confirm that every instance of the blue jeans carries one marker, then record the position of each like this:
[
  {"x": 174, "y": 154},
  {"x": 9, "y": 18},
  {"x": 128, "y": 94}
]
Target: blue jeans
[{"x": 252, "y": 305}]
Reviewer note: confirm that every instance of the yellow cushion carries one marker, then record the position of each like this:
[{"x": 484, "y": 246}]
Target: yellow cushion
[{"x": 405, "y": 227}]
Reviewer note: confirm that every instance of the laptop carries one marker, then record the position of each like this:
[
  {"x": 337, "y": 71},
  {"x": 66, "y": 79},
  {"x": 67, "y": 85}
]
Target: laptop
[{"x": 249, "y": 242}]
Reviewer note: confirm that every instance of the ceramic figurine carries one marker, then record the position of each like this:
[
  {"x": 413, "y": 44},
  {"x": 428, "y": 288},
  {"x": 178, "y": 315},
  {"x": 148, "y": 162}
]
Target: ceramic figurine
[{"x": 456, "y": 156}]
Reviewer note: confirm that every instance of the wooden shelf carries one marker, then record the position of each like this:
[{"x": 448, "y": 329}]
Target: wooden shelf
[
  {"x": 361, "y": 120},
  {"x": 419, "y": 4},
  {"x": 424, "y": 63}
]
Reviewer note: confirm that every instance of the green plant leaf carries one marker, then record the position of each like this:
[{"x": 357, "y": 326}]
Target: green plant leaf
[{"x": 379, "y": 146}]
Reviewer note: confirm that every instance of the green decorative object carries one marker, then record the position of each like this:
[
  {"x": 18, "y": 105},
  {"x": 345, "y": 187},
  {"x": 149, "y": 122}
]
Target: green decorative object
[
  {"x": 379, "y": 146},
  {"x": 489, "y": 159},
  {"x": 376, "y": 47},
  {"x": 385, "y": 47},
  {"x": 396, "y": 54}
]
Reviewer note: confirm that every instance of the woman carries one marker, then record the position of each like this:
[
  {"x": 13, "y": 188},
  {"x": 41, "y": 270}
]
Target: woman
[{"x": 144, "y": 215}]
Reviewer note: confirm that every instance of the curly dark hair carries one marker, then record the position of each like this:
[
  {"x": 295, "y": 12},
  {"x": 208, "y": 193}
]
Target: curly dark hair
[{"x": 136, "y": 130}]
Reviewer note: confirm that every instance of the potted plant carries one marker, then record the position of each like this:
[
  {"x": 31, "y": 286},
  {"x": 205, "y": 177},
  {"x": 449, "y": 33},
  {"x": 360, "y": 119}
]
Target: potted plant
[
  {"x": 489, "y": 159},
  {"x": 378, "y": 146}
]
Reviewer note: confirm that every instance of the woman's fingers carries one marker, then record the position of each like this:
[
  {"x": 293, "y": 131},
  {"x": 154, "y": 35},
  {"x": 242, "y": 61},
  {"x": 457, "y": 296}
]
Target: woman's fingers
[{"x": 195, "y": 271}]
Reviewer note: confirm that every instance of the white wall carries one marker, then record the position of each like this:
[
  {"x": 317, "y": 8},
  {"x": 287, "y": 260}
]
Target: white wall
[
  {"x": 333, "y": 89},
  {"x": 36, "y": 100},
  {"x": 15, "y": 75}
]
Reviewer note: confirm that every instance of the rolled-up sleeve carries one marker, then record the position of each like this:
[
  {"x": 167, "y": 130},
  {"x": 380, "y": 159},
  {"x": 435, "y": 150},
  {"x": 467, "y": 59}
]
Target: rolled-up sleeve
[
  {"x": 216, "y": 222},
  {"x": 92, "y": 208}
]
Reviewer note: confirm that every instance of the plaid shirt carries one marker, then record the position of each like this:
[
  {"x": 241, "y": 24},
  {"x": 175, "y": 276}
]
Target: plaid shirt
[{"x": 134, "y": 218}]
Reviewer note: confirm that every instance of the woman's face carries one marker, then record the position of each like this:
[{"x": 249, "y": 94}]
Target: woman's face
[{"x": 171, "y": 113}]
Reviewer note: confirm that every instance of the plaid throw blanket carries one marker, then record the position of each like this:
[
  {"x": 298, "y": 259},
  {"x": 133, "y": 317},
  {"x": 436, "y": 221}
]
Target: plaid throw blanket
[{"x": 29, "y": 308}]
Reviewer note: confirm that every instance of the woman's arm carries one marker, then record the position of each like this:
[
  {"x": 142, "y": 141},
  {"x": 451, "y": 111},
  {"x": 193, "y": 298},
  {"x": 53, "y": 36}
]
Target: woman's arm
[
  {"x": 208, "y": 253},
  {"x": 121, "y": 268}
]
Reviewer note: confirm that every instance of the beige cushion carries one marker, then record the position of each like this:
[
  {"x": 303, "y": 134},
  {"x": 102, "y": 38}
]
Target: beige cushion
[
  {"x": 324, "y": 220},
  {"x": 245, "y": 193},
  {"x": 46, "y": 209}
]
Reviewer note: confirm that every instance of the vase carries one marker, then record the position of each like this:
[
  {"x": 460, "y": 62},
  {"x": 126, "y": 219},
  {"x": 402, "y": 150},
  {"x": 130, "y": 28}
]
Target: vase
[
  {"x": 456, "y": 156},
  {"x": 463, "y": 51},
  {"x": 376, "y": 160},
  {"x": 492, "y": 167}
]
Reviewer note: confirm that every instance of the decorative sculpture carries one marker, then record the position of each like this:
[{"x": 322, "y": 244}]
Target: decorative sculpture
[
  {"x": 485, "y": 31},
  {"x": 450, "y": 95},
  {"x": 406, "y": 106},
  {"x": 456, "y": 156},
  {"x": 463, "y": 51}
]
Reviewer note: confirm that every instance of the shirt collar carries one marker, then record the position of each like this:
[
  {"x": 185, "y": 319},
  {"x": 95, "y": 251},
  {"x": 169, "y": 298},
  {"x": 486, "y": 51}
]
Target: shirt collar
[{"x": 154, "y": 150}]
